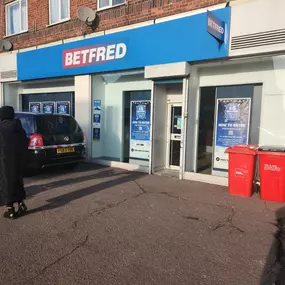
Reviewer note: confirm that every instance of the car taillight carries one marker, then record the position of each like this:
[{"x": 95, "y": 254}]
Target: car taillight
[
  {"x": 36, "y": 141},
  {"x": 84, "y": 138}
]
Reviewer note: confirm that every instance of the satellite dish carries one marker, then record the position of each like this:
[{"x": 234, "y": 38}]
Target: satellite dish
[
  {"x": 6, "y": 45},
  {"x": 86, "y": 15}
]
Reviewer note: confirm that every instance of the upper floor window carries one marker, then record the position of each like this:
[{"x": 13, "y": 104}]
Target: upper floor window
[
  {"x": 16, "y": 17},
  {"x": 58, "y": 11},
  {"x": 104, "y": 4}
]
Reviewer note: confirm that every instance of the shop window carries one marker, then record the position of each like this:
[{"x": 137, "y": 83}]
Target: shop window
[
  {"x": 59, "y": 11},
  {"x": 104, "y": 4},
  {"x": 121, "y": 118},
  {"x": 229, "y": 115},
  {"x": 16, "y": 17}
]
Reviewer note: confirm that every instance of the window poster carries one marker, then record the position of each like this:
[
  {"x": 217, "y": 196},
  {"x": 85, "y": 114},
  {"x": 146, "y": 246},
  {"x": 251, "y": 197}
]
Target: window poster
[
  {"x": 35, "y": 107},
  {"x": 96, "y": 120},
  {"x": 232, "y": 128},
  {"x": 48, "y": 107},
  {"x": 63, "y": 108},
  {"x": 140, "y": 130},
  {"x": 97, "y": 106},
  {"x": 96, "y": 134}
]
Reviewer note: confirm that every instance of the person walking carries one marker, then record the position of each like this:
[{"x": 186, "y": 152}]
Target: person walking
[{"x": 13, "y": 154}]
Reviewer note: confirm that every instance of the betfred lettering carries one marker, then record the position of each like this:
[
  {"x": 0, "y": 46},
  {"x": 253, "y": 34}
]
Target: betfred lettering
[
  {"x": 93, "y": 55},
  {"x": 215, "y": 26},
  {"x": 271, "y": 167}
]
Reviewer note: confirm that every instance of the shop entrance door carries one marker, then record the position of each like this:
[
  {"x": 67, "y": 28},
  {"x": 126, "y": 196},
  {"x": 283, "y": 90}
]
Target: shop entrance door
[{"x": 174, "y": 136}]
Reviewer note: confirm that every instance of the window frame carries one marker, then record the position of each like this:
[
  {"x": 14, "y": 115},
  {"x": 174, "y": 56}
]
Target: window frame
[
  {"x": 6, "y": 17},
  {"x": 62, "y": 20},
  {"x": 109, "y": 6}
]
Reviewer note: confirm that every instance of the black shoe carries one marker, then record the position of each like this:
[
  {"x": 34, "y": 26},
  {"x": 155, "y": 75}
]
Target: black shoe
[
  {"x": 10, "y": 214},
  {"x": 22, "y": 209}
]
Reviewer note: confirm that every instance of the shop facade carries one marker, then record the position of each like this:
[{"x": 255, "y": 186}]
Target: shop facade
[
  {"x": 133, "y": 90},
  {"x": 241, "y": 99}
]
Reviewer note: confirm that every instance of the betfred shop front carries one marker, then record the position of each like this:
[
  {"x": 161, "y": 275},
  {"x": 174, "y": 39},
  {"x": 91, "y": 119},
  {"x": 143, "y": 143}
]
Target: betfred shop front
[{"x": 134, "y": 118}]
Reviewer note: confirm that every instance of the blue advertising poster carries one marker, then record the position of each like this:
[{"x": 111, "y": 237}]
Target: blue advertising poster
[
  {"x": 63, "y": 108},
  {"x": 48, "y": 107},
  {"x": 96, "y": 120},
  {"x": 140, "y": 130},
  {"x": 96, "y": 134},
  {"x": 232, "y": 127},
  {"x": 97, "y": 105},
  {"x": 35, "y": 107}
]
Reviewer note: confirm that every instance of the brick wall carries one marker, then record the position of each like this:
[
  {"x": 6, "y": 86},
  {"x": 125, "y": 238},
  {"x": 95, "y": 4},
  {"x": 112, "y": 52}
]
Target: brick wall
[{"x": 134, "y": 11}]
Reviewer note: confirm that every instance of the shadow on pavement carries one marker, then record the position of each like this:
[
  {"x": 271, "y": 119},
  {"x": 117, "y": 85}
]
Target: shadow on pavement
[
  {"x": 65, "y": 199},
  {"x": 274, "y": 270},
  {"x": 64, "y": 169},
  {"x": 36, "y": 189}
]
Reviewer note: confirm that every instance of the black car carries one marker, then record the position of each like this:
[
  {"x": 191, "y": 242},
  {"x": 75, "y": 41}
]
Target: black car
[{"x": 53, "y": 139}]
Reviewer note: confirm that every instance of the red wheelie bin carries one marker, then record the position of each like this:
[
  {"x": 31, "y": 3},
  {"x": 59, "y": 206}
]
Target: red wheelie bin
[
  {"x": 272, "y": 173},
  {"x": 242, "y": 162}
]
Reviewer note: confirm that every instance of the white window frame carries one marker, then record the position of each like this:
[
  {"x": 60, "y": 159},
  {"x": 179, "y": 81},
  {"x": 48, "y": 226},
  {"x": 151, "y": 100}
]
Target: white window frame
[
  {"x": 62, "y": 20},
  {"x": 109, "y": 6},
  {"x": 6, "y": 17}
]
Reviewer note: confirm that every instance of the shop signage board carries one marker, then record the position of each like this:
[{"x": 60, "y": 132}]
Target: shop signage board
[
  {"x": 216, "y": 27},
  {"x": 140, "y": 130},
  {"x": 231, "y": 127},
  {"x": 178, "y": 40}
]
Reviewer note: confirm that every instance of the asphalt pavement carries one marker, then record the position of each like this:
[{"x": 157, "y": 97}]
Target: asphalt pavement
[{"x": 98, "y": 225}]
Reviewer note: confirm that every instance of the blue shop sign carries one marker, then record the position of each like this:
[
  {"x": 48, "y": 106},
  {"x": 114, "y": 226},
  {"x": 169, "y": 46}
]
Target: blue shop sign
[
  {"x": 184, "y": 39},
  {"x": 216, "y": 27}
]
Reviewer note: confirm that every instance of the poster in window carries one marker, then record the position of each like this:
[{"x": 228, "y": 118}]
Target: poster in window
[
  {"x": 96, "y": 120},
  {"x": 96, "y": 134},
  {"x": 48, "y": 107},
  {"x": 35, "y": 107},
  {"x": 140, "y": 130},
  {"x": 232, "y": 127},
  {"x": 97, "y": 106},
  {"x": 63, "y": 108}
]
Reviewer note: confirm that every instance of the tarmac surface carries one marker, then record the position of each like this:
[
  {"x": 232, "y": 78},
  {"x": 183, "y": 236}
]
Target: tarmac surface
[{"x": 97, "y": 225}]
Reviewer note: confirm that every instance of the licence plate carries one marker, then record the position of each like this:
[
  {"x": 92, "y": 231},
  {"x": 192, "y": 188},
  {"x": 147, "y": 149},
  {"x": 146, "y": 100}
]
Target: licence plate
[{"x": 65, "y": 150}]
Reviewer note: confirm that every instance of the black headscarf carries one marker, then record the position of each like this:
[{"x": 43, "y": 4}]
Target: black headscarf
[{"x": 7, "y": 113}]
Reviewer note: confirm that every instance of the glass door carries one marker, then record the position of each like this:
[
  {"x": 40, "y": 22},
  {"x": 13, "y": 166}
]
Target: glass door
[{"x": 175, "y": 131}]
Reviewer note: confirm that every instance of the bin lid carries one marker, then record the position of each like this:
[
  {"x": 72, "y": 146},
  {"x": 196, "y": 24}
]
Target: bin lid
[
  {"x": 272, "y": 148},
  {"x": 243, "y": 149}
]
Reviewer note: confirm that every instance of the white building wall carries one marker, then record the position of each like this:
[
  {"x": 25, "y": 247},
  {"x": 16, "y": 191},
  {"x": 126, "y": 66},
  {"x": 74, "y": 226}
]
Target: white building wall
[
  {"x": 271, "y": 73},
  {"x": 83, "y": 101},
  {"x": 8, "y": 67},
  {"x": 257, "y": 26}
]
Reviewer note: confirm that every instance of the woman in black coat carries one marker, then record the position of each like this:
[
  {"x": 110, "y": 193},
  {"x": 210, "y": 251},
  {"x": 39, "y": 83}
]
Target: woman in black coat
[{"x": 13, "y": 152}]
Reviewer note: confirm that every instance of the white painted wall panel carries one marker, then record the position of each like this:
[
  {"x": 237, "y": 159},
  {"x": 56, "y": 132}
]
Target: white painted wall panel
[
  {"x": 167, "y": 70},
  {"x": 83, "y": 107},
  {"x": 257, "y": 16}
]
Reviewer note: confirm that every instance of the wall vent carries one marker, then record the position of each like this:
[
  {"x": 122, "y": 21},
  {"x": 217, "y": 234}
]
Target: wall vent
[
  {"x": 258, "y": 39},
  {"x": 8, "y": 74}
]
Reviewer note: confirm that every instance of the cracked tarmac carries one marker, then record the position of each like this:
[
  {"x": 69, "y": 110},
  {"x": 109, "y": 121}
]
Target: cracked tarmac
[{"x": 98, "y": 225}]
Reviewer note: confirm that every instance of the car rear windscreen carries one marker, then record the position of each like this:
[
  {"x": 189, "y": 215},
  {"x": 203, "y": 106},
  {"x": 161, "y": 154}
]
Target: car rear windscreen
[
  {"x": 56, "y": 124},
  {"x": 28, "y": 122}
]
